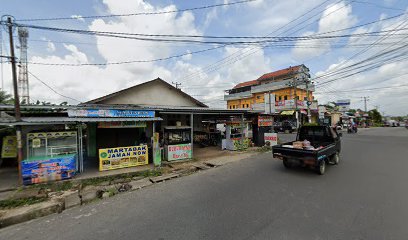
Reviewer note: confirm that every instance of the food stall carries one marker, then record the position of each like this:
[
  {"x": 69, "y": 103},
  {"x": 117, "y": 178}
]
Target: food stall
[
  {"x": 208, "y": 134},
  {"x": 50, "y": 156},
  {"x": 177, "y": 143},
  {"x": 235, "y": 136}
]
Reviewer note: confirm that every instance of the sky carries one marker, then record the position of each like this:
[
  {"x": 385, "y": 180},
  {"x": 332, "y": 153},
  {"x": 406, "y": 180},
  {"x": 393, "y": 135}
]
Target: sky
[{"x": 205, "y": 75}]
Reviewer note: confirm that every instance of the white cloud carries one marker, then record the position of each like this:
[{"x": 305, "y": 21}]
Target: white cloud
[
  {"x": 187, "y": 57},
  {"x": 88, "y": 82},
  {"x": 50, "y": 47},
  {"x": 336, "y": 16},
  {"x": 78, "y": 17}
]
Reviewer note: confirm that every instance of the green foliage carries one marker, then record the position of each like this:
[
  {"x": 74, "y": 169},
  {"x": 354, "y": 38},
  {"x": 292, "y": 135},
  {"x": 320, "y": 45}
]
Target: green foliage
[
  {"x": 375, "y": 116},
  {"x": 13, "y": 203},
  {"x": 5, "y": 98},
  {"x": 55, "y": 186}
]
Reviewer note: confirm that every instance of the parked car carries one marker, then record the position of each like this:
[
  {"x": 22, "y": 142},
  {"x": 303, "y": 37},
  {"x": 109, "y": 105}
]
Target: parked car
[
  {"x": 284, "y": 126},
  {"x": 325, "y": 147}
]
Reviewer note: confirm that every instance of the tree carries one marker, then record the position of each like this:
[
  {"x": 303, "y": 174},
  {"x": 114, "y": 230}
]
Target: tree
[
  {"x": 5, "y": 98},
  {"x": 375, "y": 115}
]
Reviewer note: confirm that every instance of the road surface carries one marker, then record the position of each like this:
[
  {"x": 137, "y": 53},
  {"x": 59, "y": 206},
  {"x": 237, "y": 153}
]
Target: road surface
[{"x": 364, "y": 197}]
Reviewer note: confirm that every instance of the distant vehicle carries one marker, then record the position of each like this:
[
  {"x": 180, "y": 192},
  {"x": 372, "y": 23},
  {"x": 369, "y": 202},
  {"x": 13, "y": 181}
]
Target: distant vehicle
[
  {"x": 283, "y": 127},
  {"x": 325, "y": 147}
]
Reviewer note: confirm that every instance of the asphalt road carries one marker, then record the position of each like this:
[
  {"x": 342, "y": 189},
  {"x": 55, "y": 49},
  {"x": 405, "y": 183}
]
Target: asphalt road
[{"x": 364, "y": 197}]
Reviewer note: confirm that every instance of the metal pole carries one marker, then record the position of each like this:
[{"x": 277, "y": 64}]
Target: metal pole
[
  {"x": 16, "y": 102},
  {"x": 192, "y": 133},
  {"x": 307, "y": 103}
]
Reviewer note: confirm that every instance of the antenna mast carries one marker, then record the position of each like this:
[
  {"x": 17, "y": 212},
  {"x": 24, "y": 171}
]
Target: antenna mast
[{"x": 23, "y": 71}]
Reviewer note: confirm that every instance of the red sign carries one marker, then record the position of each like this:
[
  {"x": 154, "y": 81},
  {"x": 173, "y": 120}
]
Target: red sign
[{"x": 265, "y": 121}]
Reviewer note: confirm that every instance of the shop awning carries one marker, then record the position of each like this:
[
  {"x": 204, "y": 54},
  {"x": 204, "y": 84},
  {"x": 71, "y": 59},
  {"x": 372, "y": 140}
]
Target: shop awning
[
  {"x": 72, "y": 120},
  {"x": 288, "y": 112}
]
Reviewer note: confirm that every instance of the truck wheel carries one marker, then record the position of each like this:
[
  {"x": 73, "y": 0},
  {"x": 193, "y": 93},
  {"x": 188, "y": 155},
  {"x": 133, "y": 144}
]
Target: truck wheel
[
  {"x": 286, "y": 163},
  {"x": 336, "y": 158},
  {"x": 321, "y": 169}
]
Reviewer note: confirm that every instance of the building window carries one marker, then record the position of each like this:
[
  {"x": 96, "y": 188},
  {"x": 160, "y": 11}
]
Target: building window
[
  {"x": 286, "y": 97},
  {"x": 247, "y": 105},
  {"x": 258, "y": 97},
  {"x": 243, "y": 105},
  {"x": 305, "y": 98}
]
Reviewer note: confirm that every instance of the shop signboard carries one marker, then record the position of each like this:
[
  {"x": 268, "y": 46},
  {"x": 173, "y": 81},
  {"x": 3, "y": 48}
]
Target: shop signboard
[
  {"x": 265, "y": 121},
  {"x": 322, "y": 111},
  {"x": 132, "y": 124},
  {"x": 9, "y": 149},
  {"x": 46, "y": 169},
  {"x": 343, "y": 105},
  {"x": 269, "y": 103},
  {"x": 271, "y": 139},
  {"x": 110, "y": 113},
  {"x": 179, "y": 152},
  {"x": 122, "y": 157}
]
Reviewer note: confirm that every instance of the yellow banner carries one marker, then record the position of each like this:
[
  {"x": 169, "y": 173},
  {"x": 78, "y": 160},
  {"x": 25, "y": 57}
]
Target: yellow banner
[
  {"x": 122, "y": 157},
  {"x": 9, "y": 149}
]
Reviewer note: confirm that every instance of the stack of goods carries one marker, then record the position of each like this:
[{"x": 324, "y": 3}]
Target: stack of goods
[
  {"x": 298, "y": 144},
  {"x": 307, "y": 146}
]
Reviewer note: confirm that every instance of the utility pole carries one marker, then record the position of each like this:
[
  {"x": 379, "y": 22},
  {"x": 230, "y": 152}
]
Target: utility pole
[
  {"x": 309, "y": 117},
  {"x": 365, "y": 103},
  {"x": 177, "y": 84},
  {"x": 16, "y": 101}
]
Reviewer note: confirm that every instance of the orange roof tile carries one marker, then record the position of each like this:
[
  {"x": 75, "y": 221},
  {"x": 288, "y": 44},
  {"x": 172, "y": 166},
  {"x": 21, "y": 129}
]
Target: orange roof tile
[
  {"x": 279, "y": 73},
  {"x": 245, "y": 84}
]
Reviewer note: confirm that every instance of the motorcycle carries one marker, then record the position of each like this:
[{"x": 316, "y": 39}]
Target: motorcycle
[{"x": 352, "y": 129}]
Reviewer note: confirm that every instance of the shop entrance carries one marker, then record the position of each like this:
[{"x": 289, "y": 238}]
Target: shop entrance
[{"x": 120, "y": 137}]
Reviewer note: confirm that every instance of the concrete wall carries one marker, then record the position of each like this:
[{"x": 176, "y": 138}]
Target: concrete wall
[{"x": 154, "y": 93}]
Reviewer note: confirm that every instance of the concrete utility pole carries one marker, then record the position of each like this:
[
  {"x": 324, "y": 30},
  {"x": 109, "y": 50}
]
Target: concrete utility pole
[
  {"x": 16, "y": 101},
  {"x": 365, "y": 103},
  {"x": 177, "y": 84}
]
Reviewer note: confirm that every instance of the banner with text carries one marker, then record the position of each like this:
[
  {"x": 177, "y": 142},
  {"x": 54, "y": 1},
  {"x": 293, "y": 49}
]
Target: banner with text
[
  {"x": 178, "y": 152},
  {"x": 45, "y": 169},
  {"x": 122, "y": 157}
]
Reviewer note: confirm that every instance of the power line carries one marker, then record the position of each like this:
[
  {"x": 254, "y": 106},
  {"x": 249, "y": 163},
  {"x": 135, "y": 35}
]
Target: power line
[
  {"x": 125, "y": 62},
  {"x": 135, "y": 14},
  {"x": 380, "y": 6},
  {"x": 52, "y": 89}
]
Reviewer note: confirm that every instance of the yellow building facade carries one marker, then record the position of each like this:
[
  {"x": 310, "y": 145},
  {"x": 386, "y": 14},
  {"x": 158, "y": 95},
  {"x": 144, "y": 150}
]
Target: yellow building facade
[{"x": 280, "y": 95}]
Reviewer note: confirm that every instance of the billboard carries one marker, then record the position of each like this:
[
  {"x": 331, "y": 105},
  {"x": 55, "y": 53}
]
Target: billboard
[
  {"x": 269, "y": 104},
  {"x": 343, "y": 105},
  {"x": 122, "y": 157},
  {"x": 110, "y": 113},
  {"x": 45, "y": 169}
]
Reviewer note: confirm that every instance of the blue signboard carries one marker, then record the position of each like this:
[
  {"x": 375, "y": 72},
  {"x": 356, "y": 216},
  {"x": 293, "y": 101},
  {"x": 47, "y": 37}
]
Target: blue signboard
[
  {"x": 45, "y": 169},
  {"x": 110, "y": 113}
]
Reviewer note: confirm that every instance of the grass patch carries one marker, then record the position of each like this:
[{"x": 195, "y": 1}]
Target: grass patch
[
  {"x": 55, "y": 186},
  {"x": 14, "y": 203},
  {"x": 99, "y": 180}
]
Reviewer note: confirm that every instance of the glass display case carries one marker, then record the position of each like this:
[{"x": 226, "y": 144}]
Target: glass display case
[{"x": 51, "y": 144}]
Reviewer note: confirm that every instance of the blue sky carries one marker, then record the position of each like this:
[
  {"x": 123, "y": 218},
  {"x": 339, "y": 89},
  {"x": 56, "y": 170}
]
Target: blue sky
[{"x": 202, "y": 75}]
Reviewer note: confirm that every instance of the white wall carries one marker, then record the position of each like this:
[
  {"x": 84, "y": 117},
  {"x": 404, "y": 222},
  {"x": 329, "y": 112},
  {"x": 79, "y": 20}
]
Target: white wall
[{"x": 155, "y": 93}]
